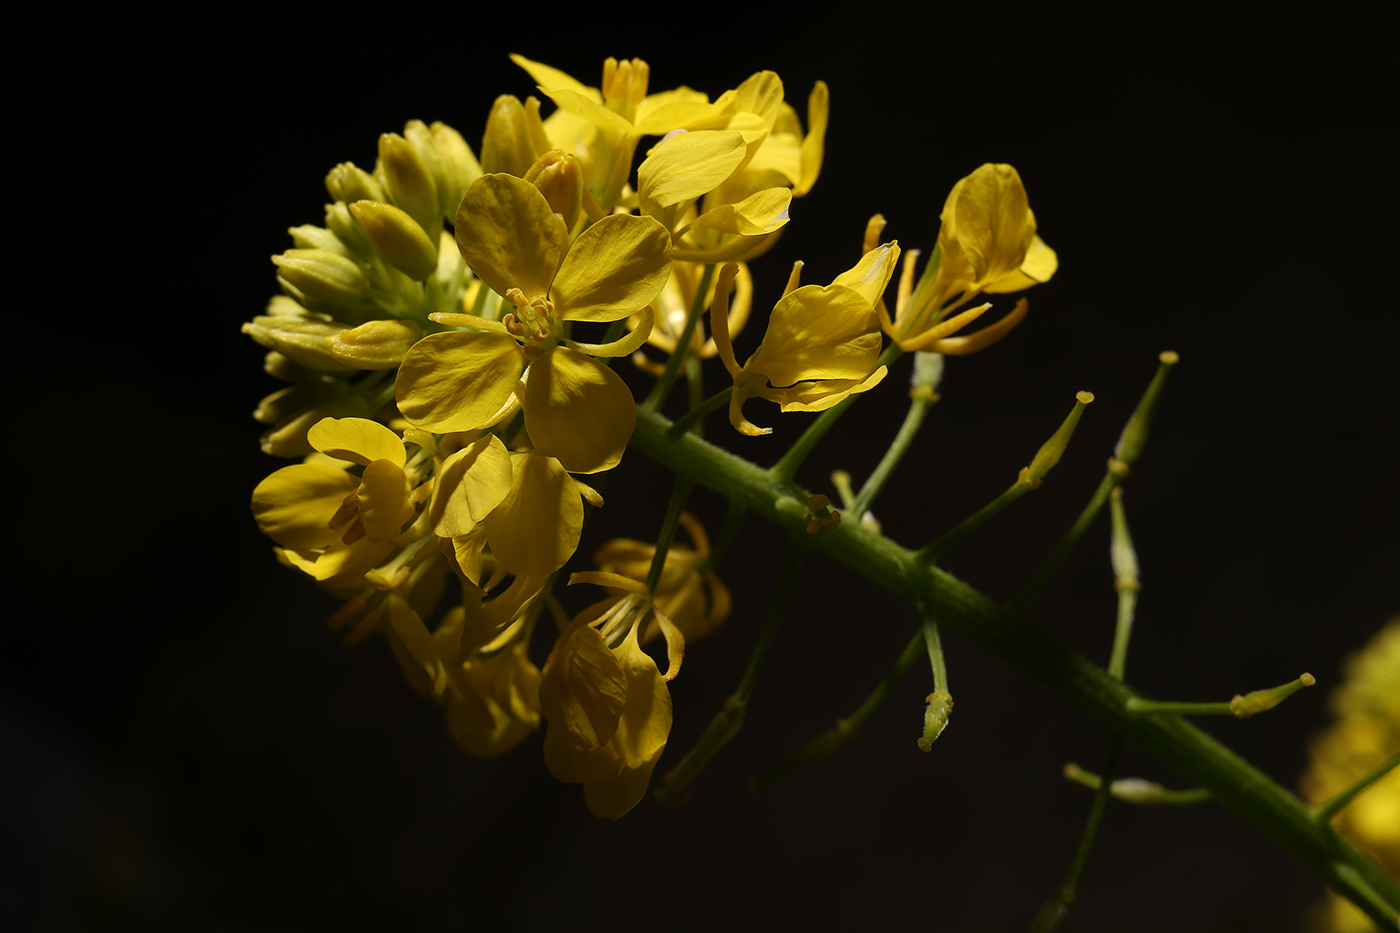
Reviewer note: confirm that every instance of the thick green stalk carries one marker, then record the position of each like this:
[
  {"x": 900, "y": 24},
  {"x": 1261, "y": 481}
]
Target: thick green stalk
[{"x": 1197, "y": 757}]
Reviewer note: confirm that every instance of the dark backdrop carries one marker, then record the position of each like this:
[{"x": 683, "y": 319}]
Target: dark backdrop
[{"x": 191, "y": 749}]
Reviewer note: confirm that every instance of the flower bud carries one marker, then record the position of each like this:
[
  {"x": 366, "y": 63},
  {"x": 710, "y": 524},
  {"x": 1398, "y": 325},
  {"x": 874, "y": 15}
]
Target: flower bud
[
  {"x": 397, "y": 237},
  {"x": 1134, "y": 436},
  {"x": 410, "y": 181},
  {"x": 288, "y": 439},
  {"x": 301, "y": 341},
  {"x": 459, "y": 167},
  {"x": 348, "y": 182},
  {"x": 514, "y": 135},
  {"x": 374, "y": 344},
  {"x": 309, "y": 236},
  {"x": 320, "y": 275},
  {"x": 560, "y": 179},
  {"x": 288, "y": 402},
  {"x": 940, "y": 705}
]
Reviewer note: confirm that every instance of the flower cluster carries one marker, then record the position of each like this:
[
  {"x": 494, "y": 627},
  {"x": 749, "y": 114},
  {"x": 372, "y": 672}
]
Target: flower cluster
[{"x": 446, "y": 340}]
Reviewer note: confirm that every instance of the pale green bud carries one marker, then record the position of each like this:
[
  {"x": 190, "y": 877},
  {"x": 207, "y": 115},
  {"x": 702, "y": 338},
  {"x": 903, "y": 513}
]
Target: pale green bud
[
  {"x": 301, "y": 341},
  {"x": 348, "y": 182},
  {"x": 397, "y": 237},
  {"x": 347, "y": 229},
  {"x": 309, "y": 236},
  {"x": 514, "y": 136},
  {"x": 459, "y": 167},
  {"x": 375, "y": 344},
  {"x": 410, "y": 181},
  {"x": 289, "y": 438},
  {"x": 559, "y": 177},
  {"x": 280, "y": 366},
  {"x": 288, "y": 402},
  {"x": 940, "y": 705},
  {"x": 321, "y": 275}
]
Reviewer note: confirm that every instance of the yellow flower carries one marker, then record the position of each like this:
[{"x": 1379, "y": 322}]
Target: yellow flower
[
  {"x": 336, "y": 525},
  {"x": 822, "y": 342},
  {"x": 1366, "y": 733},
  {"x": 493, "y": 695},
  {"x": 605, "y": 701},
  {"x": 698, "y": 605},
  {"x": 986, "y": 243},
  {"x": 576, "y": 409}
]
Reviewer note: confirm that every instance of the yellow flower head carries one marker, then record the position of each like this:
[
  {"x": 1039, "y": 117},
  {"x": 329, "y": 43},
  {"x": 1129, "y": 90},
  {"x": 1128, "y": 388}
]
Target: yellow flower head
[
  {"x": 986, "y": 243},
  {"x": 822, "y": 342},
  {"x": 605, "y": 701},
  {"x": 337, "y": 525},
  {"x": 576, "y": 409}
]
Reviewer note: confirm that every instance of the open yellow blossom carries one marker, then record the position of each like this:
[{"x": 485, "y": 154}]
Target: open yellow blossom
[
  {"x": 987, "y": 242},
  {"x": 822, "y": 342},
  {"x": 333, "y": 523},
  {"x": 605, "y": 701},
  {"x": 576, "y": 409}
]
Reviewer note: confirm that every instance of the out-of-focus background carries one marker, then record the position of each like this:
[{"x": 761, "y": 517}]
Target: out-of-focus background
[{"x": 189, "y": 748}]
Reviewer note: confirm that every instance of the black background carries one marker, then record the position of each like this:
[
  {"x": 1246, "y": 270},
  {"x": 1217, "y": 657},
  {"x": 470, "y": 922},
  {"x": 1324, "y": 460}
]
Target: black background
[{"x": 189, "y": 748}]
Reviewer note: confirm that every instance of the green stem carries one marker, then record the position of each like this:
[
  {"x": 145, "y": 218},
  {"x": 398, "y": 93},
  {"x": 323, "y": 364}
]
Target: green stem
[
  {"x": 830, "y": 741},
  {"x": 787, "y": 465},
  {"x": 935, "y": 550},
  {"x": 698, "y": 412},
  {"x": 1156, "y": 708},
  {"x": 1006, "y": 632},
  {"x": 733, "y": 521},
  {"x": 918, "y": 408},
  {"x": 728, "y": 720},
  {"x": 678, "y": 355},
  {"x": 1324, "y": 812},
  {"x": 1052, "y": 914},
  {"x": 679, "y": 493}
]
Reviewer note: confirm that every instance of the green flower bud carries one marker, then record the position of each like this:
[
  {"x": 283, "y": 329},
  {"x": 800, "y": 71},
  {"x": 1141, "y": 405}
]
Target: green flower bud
[
  {"x": 375, "y": 344},
  {"x": 410, "y": 181},
  {"x": 289, "y": 438},
  {"x": 514, "y": 136},
  {"x": 288, "y": 402},
  {"x": 347, "y": 230},
  {"x": 348, "y": 182},
  {"x": 1052, "y": 450},
  {"x": 397, "y": 237},
  {"x": 1134, "y": 436},
  {"x": 459, "y": 167},
  {"x": 320, "y": 275},
  {"x": 560, "y": 179},
  {"x": 302, "y": 341},
  {"x": 309, "y": 236}
]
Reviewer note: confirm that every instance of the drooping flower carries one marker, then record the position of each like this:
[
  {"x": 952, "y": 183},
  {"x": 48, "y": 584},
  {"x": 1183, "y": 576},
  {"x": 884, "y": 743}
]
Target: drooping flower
[
  {"x": 822, "y": 342},
  {"x": 987, "y": 242},
  {"x": 606, "y": 702},
  {"x": 576, "y": 409}
]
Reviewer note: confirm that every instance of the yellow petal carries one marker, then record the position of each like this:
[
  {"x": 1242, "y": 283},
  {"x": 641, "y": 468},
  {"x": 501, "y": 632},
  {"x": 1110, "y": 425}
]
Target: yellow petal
[
  {"x": 384, "y": 503},
  {"x": 458, "y": 381},
  {"x": 642, "y": 731},
  {"x": 872, "y": 273},
  {"x": 294, "y": 505},
  {"x": 550, "y": 79},
  {"x": 992, "y": 220},
  {"x": 759, "y": 213},
  {"x": 819, "y": 332},
  {"x": 583, "y": 689},
  {"x": 688, "y": 165},
  {"x": 509, "y": 236},
  {"x": 814, "y": 144},
  {"x": 1040, "y": 264},
  {"x": 578, "y": 411},
  {"x": 414, "y": 648},
  {"x": 470, "y": 483},
  {"x": 357, "y": 440},
  {"x": 615, "y": 267},
  {"x": 535, "y": 529},
  {"x": 819, "y": 396}
]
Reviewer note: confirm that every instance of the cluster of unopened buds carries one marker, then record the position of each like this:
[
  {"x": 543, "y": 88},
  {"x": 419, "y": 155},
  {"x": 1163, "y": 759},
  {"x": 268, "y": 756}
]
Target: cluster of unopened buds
[{"x": 447, "y": 340}]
